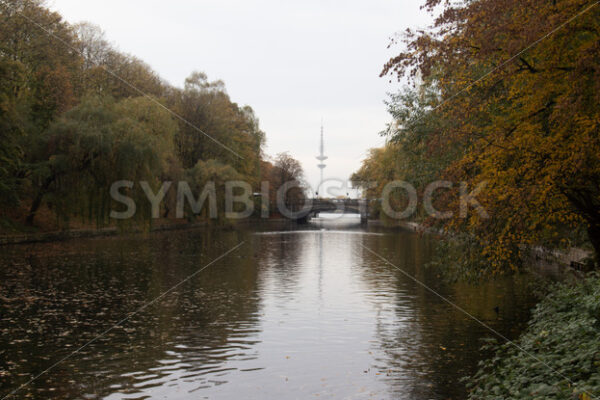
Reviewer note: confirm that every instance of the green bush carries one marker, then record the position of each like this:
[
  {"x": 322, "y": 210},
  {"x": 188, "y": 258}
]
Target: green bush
[{"x": 558, "y": 356}]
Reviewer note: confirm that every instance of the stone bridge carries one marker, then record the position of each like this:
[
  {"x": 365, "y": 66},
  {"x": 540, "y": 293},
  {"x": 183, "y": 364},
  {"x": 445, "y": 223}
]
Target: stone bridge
[{"x": 305, "y": 211}]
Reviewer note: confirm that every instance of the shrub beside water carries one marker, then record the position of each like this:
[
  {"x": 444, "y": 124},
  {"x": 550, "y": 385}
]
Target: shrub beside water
[{"x": 558, "y": 355}]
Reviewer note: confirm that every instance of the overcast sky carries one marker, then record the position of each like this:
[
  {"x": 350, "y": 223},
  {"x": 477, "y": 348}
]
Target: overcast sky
[{"x": 292, "y": 62}]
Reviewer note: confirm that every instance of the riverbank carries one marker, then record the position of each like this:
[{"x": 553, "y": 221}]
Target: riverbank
[
  {"x": 69, "y": 234},
  {"x": 558, "y": 355},
  {"x": 160, "y": 225},
  {"x": 553, "y": 260}
]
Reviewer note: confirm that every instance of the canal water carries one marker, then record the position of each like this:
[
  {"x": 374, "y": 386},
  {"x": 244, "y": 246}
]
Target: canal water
[{"x": 294, "y": 312}]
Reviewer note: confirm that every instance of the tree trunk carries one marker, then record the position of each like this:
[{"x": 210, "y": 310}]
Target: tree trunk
[
  {"x": 34, "y": 207},
  {"x": 37, "y": 202}
]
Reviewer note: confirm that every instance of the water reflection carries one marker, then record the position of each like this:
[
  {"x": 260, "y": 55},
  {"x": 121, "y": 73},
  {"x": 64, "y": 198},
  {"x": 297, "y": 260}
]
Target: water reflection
[{"x": 294, "y": 313}]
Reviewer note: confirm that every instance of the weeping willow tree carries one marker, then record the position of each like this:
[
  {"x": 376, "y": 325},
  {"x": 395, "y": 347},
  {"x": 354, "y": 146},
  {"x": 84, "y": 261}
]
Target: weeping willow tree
[
  {"x": 95, "y": 144},
  {"x": 211, "y": 172}
]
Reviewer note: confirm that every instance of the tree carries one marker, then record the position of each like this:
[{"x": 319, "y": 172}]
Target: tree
[
  {"x": 95, "y": 144},
  {"x": 288, "y": 170},
  {"x": 217, "y": 128},
  {"x": 531, "y": 128},
  {"x": 11, "y": 120},
  {"x": 216, "y": 173},
  {"x": 35, "y": 86},
  {"x": 49, "y": 68}
]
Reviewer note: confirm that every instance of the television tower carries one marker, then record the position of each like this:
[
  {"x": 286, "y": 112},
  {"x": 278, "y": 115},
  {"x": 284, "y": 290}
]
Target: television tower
[{"x": 321, "y": 157}]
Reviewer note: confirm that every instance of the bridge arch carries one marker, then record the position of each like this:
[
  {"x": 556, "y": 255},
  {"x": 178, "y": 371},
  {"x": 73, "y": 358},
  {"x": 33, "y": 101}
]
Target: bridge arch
[{"x": 353, "y": 206}]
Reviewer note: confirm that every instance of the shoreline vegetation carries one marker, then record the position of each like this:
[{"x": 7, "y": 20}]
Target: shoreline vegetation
[
  {"x": 522, "y": 133},
  {"x": 556, "y": 357},
  {"x": 78, "y": 115},
  {"x": 157, "y": 226}
]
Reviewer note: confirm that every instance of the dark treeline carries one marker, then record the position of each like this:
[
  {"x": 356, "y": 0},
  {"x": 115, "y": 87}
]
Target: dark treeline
[{"x": 76, "y": 115}]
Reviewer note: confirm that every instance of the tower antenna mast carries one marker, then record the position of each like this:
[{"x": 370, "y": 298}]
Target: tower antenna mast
[{"x": 321, "y": 157}]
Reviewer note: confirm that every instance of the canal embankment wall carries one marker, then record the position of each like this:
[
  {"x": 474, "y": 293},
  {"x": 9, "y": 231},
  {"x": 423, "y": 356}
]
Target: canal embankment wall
[{"x": 538, "y": 257}]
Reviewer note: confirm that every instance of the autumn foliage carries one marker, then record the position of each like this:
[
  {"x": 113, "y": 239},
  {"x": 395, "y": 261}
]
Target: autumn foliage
[{"x": 507, "y": 92}]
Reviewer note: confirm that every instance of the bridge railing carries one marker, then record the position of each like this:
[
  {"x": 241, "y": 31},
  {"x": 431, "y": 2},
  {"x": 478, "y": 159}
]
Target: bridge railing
[{"x": 356, "y": 206}]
